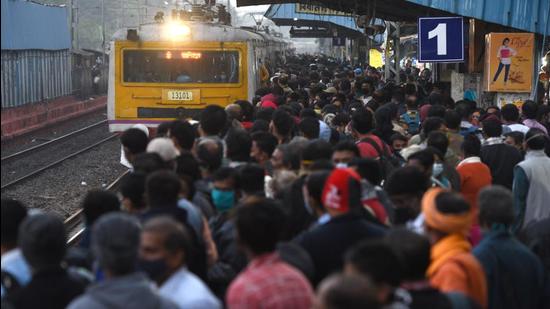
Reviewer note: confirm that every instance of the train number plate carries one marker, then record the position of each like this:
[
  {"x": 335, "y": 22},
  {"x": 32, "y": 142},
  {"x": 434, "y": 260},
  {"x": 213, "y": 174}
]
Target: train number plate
[{"x": 179, "y": 95}]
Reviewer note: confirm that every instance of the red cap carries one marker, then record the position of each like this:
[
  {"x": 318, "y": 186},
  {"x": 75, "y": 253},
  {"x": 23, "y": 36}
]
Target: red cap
[
  {"x": 268, "y": 104},
  {"x": 338, "y": 191}
]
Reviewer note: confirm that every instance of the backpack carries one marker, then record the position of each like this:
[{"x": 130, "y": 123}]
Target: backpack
[
  {"x": 387, "y": 161},
  {"x": 412, "y": 119},
  {"x": 9, "y": 282}
]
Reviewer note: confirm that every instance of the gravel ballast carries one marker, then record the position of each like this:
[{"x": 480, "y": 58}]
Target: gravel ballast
[
  {"x": 54, "y": 131},
  {"x": 29, "y": 162},
  {"x": 61, "y": 189}
]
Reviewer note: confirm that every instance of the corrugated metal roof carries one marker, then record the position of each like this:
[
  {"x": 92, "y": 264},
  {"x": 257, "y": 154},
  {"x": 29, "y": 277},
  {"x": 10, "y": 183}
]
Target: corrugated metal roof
[
  {"x": 528, "y": 15},
  {"x": 28, "y": 25},
  {"x": 288, "y": 11}
]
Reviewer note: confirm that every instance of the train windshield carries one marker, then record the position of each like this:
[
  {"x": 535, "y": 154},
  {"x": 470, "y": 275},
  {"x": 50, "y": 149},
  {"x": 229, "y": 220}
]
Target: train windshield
[{"x": 180, "y": 66}]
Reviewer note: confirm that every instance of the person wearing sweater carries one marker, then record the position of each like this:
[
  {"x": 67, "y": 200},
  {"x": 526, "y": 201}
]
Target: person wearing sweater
[
  {"x": 474, "y": 176},
  {"x": 453, "y": 268}
]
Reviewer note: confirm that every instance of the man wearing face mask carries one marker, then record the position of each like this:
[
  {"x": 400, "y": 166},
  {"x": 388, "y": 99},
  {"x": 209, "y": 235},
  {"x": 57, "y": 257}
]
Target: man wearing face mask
[
  {"x": 312, "y": 191},
  {"x": 445, "y": 159},
  {"x": 346, "y": 225},
  {"x": 437, "y": 176},
  {"x": 115, "y": 243},
  {"x": 425, "y": 161},
  {"x": 405, "y": 188},
  {"x": 164, "y": 249},
  {"x": 230, "y": 261},
  {"x": 344, "y": 153}
]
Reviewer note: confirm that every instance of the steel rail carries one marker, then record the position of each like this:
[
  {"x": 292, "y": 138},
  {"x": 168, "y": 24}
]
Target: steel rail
[
  {"x": 74, "y": 221},
  {"x": 40, "y": 170},
  {"x": 55, "y": 140}
]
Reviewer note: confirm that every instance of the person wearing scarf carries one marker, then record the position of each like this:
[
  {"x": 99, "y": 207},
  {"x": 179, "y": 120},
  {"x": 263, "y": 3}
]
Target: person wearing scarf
[
  {"x": 515, "y": 275},
  {"x": 452, "y": 268}
]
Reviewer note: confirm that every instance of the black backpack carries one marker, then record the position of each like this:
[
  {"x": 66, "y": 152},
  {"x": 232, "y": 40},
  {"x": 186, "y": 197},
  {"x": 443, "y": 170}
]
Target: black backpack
[
  {"x": 387, "y": 161},
  {"x": 9, "y": 283}
]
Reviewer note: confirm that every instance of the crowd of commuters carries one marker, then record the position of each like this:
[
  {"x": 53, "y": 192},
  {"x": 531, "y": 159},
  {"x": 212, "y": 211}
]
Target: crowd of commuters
[{"x": 332, "y": 189}]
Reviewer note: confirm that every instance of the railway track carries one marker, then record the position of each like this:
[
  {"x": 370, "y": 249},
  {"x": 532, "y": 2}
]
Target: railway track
[
  {"x": 51, "y": 142},
  {"x": 73, "y": 224},
  {"x": 44, "y": 146}
]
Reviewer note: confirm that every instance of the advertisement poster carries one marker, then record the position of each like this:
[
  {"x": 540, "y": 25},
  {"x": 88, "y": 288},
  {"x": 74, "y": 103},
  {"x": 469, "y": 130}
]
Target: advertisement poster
[
  {"x": 375, "y": 58},
  {"x": 465, "y": 85},
  {"x": 509, "y": 62},
  {"x": 512, "y": 98}
]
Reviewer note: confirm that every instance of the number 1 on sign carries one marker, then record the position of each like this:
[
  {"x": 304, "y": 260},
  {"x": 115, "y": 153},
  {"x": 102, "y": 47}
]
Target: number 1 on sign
[{"x": 440, "y": 31}]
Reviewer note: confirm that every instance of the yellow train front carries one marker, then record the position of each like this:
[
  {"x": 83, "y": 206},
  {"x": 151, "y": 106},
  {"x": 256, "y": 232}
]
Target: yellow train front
[{"x": 163, "y": 71}]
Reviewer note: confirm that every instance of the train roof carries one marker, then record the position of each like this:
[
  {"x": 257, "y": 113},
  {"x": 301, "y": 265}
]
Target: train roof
[{"x": 200, "y": 31}]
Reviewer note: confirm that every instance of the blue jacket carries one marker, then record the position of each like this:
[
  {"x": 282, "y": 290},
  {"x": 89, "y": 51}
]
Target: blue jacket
[{"x": 516, "y": 278}]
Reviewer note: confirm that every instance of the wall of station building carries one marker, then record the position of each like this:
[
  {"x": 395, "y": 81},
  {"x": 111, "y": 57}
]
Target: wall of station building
[{"x": 29, "y": 76}]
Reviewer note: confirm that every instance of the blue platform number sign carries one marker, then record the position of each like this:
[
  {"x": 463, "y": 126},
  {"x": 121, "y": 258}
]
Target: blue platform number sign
[{"x": 440, "y": 39}]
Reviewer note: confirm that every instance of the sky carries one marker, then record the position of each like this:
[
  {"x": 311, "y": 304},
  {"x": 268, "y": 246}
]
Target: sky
[
  {"x": 302, "y": 45},
  {"x": 247, "y": 9}
]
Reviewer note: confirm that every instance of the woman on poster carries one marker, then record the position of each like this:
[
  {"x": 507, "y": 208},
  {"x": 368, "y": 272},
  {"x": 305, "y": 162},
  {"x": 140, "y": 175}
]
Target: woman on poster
[{"x": 504, "y": 54}]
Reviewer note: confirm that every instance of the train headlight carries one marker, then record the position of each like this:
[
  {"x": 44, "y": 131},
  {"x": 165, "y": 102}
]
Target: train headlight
[{"x": 176, "y": 30}]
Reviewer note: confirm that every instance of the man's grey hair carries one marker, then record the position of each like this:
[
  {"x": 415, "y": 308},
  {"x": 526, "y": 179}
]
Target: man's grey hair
[
  {"x": 115, "y": 242},
  {"x": 496, "y": 205}
]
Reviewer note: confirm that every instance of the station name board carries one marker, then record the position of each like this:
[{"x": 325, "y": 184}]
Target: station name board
[{"x": 318, "y": 10}]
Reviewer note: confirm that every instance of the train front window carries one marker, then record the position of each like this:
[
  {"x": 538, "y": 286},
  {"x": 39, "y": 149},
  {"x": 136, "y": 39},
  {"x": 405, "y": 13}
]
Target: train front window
[{"x": 181, "y": 66}]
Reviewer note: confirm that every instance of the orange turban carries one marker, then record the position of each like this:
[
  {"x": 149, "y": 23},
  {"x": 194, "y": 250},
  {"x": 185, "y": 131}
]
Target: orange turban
[{"x": 444, "y": 222}]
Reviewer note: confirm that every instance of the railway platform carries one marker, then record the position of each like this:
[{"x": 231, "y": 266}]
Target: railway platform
[{"x": 24, "y": 119}]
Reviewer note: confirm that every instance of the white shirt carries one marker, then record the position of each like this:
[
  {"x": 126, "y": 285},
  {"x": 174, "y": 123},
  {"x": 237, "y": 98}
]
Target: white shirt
[
  {"x": 516, "y": 127},
  {"x": 188, "y": 291},
  {"x": 469, "y": 160}
]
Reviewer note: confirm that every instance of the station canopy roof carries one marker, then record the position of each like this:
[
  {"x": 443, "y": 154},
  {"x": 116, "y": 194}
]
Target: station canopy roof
[
  {"x": 526, "y": 15},
  {"x": 304, "y": 15}
]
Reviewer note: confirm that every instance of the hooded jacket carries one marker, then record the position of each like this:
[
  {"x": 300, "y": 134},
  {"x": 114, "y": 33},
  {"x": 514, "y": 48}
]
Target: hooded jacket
[{"x": 130, "y": 291}]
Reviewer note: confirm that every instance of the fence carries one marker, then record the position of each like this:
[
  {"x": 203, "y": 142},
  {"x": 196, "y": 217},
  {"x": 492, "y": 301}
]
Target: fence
[{"x": 29, "y": 76}]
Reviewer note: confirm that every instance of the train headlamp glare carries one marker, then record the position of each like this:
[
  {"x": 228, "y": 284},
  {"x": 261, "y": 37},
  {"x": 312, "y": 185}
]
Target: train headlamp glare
[{"x": 176, "y": 30}]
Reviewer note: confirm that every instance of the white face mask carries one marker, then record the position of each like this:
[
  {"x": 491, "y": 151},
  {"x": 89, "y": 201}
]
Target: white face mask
[
  {"x": 437, "y": 169},
  {"x": 341, "y": 165}
]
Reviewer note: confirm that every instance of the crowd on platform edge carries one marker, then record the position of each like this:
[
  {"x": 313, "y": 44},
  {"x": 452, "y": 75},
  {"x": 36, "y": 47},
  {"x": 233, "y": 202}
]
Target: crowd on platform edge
[{"x": 333, "y": 188}]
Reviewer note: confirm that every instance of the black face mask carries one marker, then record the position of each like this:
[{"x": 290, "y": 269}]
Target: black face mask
[
  {"x": 154, "y": 269},
  {"x": 402, "y": 215}
]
